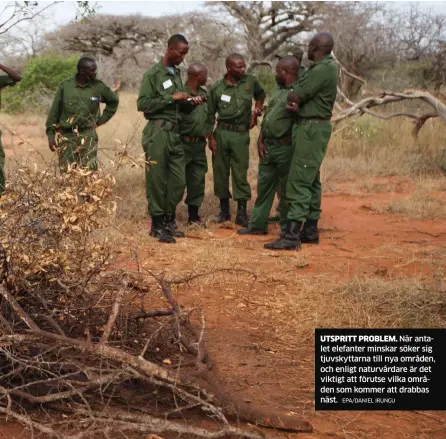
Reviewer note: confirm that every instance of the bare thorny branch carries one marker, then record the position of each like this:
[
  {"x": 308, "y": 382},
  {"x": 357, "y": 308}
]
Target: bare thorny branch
[{"x": 74, "y": 335}]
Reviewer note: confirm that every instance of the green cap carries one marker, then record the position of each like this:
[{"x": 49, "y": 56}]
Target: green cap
[{"x": 295, "y": 51}]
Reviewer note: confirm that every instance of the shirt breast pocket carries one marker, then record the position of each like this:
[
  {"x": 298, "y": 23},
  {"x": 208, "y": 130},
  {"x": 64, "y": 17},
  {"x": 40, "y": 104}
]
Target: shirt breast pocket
[{"x": 72, "y": 104}]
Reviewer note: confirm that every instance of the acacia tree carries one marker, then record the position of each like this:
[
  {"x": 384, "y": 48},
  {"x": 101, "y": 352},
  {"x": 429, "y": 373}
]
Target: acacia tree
[
  {"x": 268, "y": 25},
  {"x": 14, "y": 13},
  {"x": 211, "y": 40},
  {"x": 421, "y": 36},
  {"x": 361, "y": 40}
]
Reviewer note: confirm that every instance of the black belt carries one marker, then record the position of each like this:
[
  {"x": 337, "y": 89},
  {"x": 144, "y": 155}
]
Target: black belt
[
  {"x": 188, "y": 139},
  {"x": 234, "y": 128},
  {"x": 312, "y": 120},
  {"x": 169, "y": 126},
  {"x": 286, "y": 140}
]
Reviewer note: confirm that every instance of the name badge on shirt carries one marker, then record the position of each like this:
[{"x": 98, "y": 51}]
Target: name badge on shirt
[
  {"x": 167, "y": 84},
  {"x": 226, "y": 98}
]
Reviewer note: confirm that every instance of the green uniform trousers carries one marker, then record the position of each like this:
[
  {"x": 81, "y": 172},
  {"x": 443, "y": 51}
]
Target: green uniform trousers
[
  {"x": 196, "y": 165},
  {"x": 2, "y": 166},
  {"x": 165, "y": 172},
  {"x": 273, "y": 173},
  {"x": 81, "y": 149},
  {"x": 304, "y": 190},
  {"x": 232, "y": 157}
]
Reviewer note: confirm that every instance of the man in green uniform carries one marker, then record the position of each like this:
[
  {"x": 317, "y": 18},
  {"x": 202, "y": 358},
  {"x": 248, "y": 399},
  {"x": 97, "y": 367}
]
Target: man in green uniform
[
  {"x": 231, "y": 98},
  {"x": 275, "y": 148},
  {"x": 162, "y": 99},
  {"x": 313, "y": 102},
  {"x": 297, "y": 53},
  {"x": 11, "y": 78},
  {"x": 193, "y": 131},
  {"x": 75, "y": 114}
]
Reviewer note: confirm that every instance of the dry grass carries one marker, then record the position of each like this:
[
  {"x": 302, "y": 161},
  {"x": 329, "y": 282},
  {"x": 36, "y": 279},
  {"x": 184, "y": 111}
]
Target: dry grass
[
  {"x": 273, "y": 295},
  {"x": 427, "y": 201}
]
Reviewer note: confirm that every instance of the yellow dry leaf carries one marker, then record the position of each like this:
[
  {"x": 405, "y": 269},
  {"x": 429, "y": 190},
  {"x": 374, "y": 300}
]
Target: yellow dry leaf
[{"x": 167, "y": 361}]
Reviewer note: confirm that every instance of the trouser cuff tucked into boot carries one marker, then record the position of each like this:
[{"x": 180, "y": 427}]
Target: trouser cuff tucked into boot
[
  {"x": 194, "y": 218},
  {"x": 310, "y": 233},
  {"x": 158, "y": 231},
  {"x": 242, "y": 215},
  {"x": 170, "y": 225},
  {"x": 225, "y": 214},
  {"x": 289, "y": 240}
]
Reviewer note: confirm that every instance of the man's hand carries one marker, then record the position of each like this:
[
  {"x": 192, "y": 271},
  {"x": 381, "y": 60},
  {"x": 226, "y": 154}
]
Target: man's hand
[
  {"x": 262, "y": 149},
  {"x": 52, "y": 144},
  {"x": 253, "y": 121},
  {"x": 180, "y": 96},
  {"x": 212, "y": 144},
  {"x": 292, "y": 107},
  {"x": 197, "y": 100}
]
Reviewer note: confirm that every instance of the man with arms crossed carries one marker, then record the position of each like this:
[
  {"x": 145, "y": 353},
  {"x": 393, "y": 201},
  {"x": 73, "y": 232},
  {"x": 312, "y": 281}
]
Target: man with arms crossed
[
  {"x": 313, "y": 102},
  {"x": 275, "y": 149}
]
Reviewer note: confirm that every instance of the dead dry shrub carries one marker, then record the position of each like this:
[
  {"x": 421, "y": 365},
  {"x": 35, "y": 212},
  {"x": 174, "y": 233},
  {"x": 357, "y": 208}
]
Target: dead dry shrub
[{"x": 90, "y": 350}]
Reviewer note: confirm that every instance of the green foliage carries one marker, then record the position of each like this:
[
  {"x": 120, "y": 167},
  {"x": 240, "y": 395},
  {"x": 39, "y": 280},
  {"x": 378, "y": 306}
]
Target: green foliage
[
  {"x": 48, "y": 71},
  {"x": 40, "y": 79},
  {"x": 266, "y": 78},
  {"x": 421, "y": 74}
]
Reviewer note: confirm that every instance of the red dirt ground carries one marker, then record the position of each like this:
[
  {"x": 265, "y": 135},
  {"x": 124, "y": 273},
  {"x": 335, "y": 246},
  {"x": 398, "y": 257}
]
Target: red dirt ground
[{"x": 355, "y": 241}]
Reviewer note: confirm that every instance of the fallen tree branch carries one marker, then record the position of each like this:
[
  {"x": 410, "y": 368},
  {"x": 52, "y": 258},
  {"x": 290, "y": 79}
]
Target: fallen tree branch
[{"x": 363, "y": 107}]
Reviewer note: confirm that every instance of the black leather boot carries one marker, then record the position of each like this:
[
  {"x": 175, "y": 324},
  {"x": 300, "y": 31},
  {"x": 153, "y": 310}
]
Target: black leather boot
[
  {"x": 194, "y": 218},
  {"x": 290, "y": 240},
  {"x": 225, "y": 214},
  {"x": 242, "y": 216},
  {"x": 310, "y": 233},
  {"x": 157, "y": 230},
  {"x": 170, "y": 225}
]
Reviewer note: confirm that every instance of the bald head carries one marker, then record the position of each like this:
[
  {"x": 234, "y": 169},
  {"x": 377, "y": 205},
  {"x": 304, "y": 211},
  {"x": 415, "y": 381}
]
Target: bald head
[
  {"x": 197, "y": 74},
  {"x": 289, "y": 63},
  {"x": 320, "y": 46},
  {"x": 196, "y": 68},
  {"x": 287, "y": 71}
]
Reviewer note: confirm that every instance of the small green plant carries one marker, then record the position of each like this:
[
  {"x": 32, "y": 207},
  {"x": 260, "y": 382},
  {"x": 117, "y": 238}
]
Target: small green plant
[
  {"x": 266, "y": 78},
  {"x": 40, "y": 79}
]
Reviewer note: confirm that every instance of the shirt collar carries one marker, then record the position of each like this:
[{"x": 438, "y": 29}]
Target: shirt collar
[
  {"x": 240, "y": 81},
  {"x": 166, "y": 70},
  {"x": 88, "y": 84},
  {"x": 326, "y": 58}
]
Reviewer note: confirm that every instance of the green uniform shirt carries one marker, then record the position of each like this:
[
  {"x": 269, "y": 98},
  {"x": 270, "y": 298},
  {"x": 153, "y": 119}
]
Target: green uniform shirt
[
  {"x": 317, "y": 89},
  {"x": 195, "y": 124},
  {"x": 233, "y": 103},
  {"x": 278, "y": 122},
  {"x": 77, "y": 106},
  {"x": 155, "y": 94},
  {"x": 4, "y": 82}
]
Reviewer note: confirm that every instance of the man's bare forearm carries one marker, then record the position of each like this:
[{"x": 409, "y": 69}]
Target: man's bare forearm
[{"x": 12, "y": 73}]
